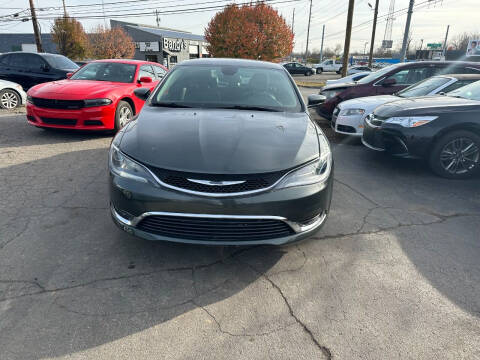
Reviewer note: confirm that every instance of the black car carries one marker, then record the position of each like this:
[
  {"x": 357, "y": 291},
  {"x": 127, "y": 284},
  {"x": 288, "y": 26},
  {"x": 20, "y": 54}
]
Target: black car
[
  {"x": 29, "y": 69},
  {"x": 445, "y": 130},
  {"x": 224, "y": 152},
  {"x": 295, "y": 68}
]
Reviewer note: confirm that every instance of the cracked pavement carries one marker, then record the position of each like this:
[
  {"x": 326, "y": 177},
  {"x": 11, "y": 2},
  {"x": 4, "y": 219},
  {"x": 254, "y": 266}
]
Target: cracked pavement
[{"x": 394, "y": 274}]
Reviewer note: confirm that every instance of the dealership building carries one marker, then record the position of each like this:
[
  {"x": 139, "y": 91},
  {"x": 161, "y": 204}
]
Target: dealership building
[{"x": 162, "y": 45}]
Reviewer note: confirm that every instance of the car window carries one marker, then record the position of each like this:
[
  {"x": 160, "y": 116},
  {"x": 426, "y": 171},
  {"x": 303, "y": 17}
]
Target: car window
[
  {"x": 18, "y": 60},
  {"x": 377, "y": 75},
  {"x": 215, "y": 86},
  {"x": 410, "y": 76},
  {"x": 160, "y": 72},
  {"x": 289, "y": 65},
  {"x": 457, "y": 85},
  {"x": 329, "y": 62},
  {"x": 424, "y": 87},
  {"x": 34, "y": 62},
  {"x": 4, "y": 60},
  {"x": 457, "y": 69},
  {"x": 146, "y": 70},
  {"x": 471, "y": 91},
  {"x": 106, "y": 71},
  {"x": 60, "y": 62}
]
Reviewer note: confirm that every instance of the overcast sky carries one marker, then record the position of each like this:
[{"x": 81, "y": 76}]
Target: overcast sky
[{"x": 429, "y": 20}]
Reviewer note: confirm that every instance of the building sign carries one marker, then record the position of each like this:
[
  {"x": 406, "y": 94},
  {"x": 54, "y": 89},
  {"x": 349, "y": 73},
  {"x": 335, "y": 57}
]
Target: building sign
[
  {"x": 434, "y": 46},
  {"x": 473, "y": 48},
  {"x": 148, "y": 46},
  {"x": 387, "y": 44},
  {"x": 174, "y": 44}
]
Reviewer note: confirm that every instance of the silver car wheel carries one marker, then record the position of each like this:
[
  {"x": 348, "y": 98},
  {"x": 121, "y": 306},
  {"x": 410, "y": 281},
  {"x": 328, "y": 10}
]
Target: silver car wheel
[
  {"x": 125, "y": 116},
  {"x": 460, "y": 156},
  {"x": 9, "y": 100}
]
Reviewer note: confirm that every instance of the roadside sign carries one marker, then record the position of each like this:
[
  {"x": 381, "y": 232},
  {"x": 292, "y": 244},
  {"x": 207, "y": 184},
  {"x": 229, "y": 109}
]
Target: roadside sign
[
  {"x": 387, "y": 44},
  {"x": 473, "y": 48},
  {"x": 434, "y": 46}
]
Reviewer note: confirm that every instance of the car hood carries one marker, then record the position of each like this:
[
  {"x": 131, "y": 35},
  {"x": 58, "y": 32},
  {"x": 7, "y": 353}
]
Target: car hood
[
  {"x": 74, "y": 89},
  {"x": 216, "y": 141},
  {"x": 426, "y": 105},
  {"x": 339, "y": 86},
  {"x": 367, "y": 103}
]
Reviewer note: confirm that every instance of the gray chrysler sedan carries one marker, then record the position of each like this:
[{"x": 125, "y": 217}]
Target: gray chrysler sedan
[{"x": 224, "y": 152}]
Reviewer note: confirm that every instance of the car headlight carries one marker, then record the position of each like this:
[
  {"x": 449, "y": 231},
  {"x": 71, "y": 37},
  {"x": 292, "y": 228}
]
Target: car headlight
[
  {"x": 351, "y": 112},
  {"x": 410, "y": 121},
  {"x": 330, "y": 93},
  {"x": 123, "y": 166},
  {"x": 315, "y": 172},
  {"x": 97, "y": 102}
]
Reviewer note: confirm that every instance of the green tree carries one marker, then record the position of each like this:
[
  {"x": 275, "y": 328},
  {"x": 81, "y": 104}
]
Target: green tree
[{"x": 70, "y": 38}]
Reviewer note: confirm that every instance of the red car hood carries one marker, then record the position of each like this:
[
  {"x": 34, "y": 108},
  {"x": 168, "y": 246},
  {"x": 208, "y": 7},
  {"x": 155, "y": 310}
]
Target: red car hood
[{"x": 73, "y": 89}]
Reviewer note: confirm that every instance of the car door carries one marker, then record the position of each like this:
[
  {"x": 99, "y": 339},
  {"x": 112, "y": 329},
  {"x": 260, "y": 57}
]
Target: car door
[
  {"x": 403, "y": 78},
  {"x": 37, "y": 70},
  {"x": 17, "y": 70},
  {"x": 328, "y": 65},
  {"x": 5, "y": 70},
  {"x": 299, "y": 68}
]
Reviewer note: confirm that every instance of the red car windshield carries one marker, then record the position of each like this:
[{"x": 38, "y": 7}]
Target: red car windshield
[{"x": 105, "y": 71}]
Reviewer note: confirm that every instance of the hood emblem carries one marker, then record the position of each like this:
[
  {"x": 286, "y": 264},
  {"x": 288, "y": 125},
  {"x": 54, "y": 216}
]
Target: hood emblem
[{"x": 216, "y": 183}]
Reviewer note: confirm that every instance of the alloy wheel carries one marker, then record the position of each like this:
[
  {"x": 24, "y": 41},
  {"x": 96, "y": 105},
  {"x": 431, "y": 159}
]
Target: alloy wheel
[
  {"x": 125, "y": 116},
  {"x": 9, "y": 100},
  {"x": 460, "y": 156}
]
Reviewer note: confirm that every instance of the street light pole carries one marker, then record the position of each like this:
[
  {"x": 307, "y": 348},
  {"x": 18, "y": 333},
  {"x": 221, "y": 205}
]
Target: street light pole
[
  {"x": 445, "y": 42},
  {"x": 321, "y": 48},
  {"x": 374, "y": 28},
  {"x": 36, "y": 31},
  {"x": 365, "y": 48},
  {"x": 308, "y": 31}
]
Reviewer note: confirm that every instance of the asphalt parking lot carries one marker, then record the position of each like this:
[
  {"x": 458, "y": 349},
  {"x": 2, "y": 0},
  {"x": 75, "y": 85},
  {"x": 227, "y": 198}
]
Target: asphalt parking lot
[{"x": 394, "y": 274}]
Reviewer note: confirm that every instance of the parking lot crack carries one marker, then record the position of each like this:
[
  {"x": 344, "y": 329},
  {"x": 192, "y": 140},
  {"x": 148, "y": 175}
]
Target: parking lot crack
[{"x": 363, "y": 196}]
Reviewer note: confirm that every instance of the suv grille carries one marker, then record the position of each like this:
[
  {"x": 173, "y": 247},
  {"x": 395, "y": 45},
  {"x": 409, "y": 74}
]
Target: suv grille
[
  {"x": 57, "y": 104},
  {"x": 250, "y": 182},
  {"x": 214, "y": 229}
]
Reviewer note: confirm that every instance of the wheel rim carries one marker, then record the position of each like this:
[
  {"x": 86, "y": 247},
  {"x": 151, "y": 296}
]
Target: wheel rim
[
  {"x": 125, "y": 116},
  {"x": 9, "y": 100},
  {"x": 459, "y": 156}
]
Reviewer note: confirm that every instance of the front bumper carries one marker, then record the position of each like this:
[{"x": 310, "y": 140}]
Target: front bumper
[
  {"x": 397, "y": 140},
  {"x": 304, "y": 209},
  {"x": 89, "y": 118},
  {"x": 348, "y": 125}
]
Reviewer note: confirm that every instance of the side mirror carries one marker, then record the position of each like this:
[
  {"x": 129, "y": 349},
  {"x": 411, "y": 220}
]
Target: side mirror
[
  {"x": 45, "y": 67},
  {"x": 315, "y": 99},
  {"x": 389, "y": 82},
  {"x": 145, "y": 79},
  {"x": 69, "y": 75},
  {"x": 142, "y": 93}
]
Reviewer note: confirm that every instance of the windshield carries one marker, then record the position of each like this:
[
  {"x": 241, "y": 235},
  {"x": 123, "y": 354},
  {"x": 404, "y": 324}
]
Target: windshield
[
  {"x": 376, "y": 74},
  {"x": 215, "y": 86},
  {"x": 105, "y": 71},
  {"x": 424, "y": 87},
  {"x": 60, "y": 62},
  {"x": 471, "y": 91}
]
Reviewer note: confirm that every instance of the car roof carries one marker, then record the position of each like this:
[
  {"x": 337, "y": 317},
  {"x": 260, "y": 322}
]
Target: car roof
[
  {"x": 233, "y": 62},
  {"x": 463, "y": 76}
]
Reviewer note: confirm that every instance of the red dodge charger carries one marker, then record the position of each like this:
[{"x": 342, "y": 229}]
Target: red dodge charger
[{"x": 98, "y": 96}]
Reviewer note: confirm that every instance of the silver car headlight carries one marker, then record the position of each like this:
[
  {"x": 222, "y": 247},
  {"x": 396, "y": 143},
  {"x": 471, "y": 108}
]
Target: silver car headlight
[
  {"x": 352, "y": 112},
  {"x": 315, "y": 172},
  {"x": 410, "y": 121},
  {"x": 121, "y": 165}
]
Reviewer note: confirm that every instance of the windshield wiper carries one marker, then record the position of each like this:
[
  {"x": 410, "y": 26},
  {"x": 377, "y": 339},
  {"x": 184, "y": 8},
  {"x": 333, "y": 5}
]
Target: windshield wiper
[
  {"x": 169, "y": 104},
  {"x": 248, "y": 107}
]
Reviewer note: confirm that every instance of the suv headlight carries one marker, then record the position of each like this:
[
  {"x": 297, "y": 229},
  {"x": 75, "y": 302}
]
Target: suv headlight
[
  {"x": 330, "y": 93},
  {"x": 121, "y": 165},
  {"x": 410, "y": 121},
  {"x": 352, "y": 112},
  {"x": 315, "y": 172},
  {"x": 97, "y": 102}
]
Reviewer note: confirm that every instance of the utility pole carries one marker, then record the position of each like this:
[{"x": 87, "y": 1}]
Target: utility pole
[
  {"x": 421, "y": 44},
  {"x": 407, "y": 31},
  {"x": 445, "y": 42},
  {"x": 293, "y": 20},
  {"x": 308, "y": 32},
  {"x": 64, "y": 9},
  {"x": 157, "y": 18},
  {"x": 374, "y": 28},
  {"x": 321, "y": 48},
  {"x": 36, "y": 31},
  {"x": 348, "y": 34},
  {"x": 365, "y": 48}
]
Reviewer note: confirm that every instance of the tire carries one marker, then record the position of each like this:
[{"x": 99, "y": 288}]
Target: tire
[
  {"x": 319, "y": 70},
  {"x": 123, "y": 114},
  {"x": 340, "y": 70},
  {"x": 309, "y": 73},
  {"x": 456, "y": 155},
  {"x": 9, "y": 99}
]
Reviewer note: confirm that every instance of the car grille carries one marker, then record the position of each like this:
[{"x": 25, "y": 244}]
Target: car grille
[
  {"x": 214, "y": 229},
  {"x": 346, "y": 128},
  {"x": 56, "y": 121},
  {"x": 250, "y": 182},
  {"x": 57, "y": 104}
]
